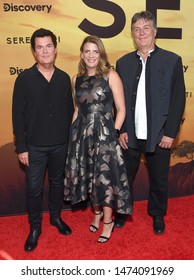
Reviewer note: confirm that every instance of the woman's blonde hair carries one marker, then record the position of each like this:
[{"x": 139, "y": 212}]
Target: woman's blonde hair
[{"x": 103, "y": 66}]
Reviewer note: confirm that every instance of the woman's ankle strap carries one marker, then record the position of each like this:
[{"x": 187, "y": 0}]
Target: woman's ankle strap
[{"x": 109, "y": 222}]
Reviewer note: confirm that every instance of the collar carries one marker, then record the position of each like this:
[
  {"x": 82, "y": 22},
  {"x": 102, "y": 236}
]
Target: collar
[
  {"x": 34, "y": 70},
  {"x": 151, "y": 52}
]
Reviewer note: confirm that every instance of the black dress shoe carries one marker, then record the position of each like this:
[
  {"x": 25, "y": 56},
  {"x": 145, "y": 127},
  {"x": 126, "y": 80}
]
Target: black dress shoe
[
  {"x": 120, "y": 220},
  {"x": 158, "y": 225},
  {"x": 62, "y": 227},
  {"x": 32, "y": 240}
]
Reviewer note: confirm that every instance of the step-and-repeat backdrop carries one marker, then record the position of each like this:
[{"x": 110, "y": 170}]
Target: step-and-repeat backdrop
[{"x": 71, "y": 21}]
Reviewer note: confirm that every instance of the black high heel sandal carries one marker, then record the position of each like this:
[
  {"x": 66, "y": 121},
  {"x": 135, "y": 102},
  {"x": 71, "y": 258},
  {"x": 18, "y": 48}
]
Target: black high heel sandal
[
  {"x": 103, "y": 239},
  {"x": 92, "y": 227}
]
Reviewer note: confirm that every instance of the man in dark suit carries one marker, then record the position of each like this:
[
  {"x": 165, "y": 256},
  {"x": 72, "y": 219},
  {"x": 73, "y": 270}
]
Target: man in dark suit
[
  {"x": 42, "y": 114},
  {"x": 155, "y": 100}
]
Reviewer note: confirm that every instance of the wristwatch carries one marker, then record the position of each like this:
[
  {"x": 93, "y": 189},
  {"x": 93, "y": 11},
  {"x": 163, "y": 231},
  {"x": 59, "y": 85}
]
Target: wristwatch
[{"x": 117, "y": 132}]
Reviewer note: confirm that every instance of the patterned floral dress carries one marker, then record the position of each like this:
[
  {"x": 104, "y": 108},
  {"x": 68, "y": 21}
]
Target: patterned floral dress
[{"x": 95, "y": 168}]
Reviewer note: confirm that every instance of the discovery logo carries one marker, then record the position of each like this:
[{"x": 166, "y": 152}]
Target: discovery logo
[
  {"x": 10, "y": 7},
  {"x": 15, "y": 70}
]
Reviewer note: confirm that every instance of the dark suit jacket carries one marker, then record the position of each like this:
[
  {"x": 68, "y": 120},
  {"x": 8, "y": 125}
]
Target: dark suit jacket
[{"x": 165, "y": 94}]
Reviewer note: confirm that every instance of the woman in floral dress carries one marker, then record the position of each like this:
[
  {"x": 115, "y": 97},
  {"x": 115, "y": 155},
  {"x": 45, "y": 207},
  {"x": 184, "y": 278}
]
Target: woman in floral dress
[{"x": 95, "y": 168}]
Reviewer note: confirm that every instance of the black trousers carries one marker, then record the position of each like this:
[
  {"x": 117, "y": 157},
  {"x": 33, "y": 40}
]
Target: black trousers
[
  {"x": 51, "y": 158},
  {"x": 158, "y": 168}
]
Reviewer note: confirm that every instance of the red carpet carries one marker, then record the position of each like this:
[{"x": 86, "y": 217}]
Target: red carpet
[{"x": 136, "y": 241}]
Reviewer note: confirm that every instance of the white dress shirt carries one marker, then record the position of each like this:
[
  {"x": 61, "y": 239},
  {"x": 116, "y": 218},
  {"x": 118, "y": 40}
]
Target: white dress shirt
[{"x": 140, "y": 107}]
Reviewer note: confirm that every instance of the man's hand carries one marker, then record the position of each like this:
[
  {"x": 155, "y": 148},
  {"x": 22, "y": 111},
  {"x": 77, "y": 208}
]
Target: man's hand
[
  {"x": 166, "y": 142},
  {"x": 24, "y": 158}
]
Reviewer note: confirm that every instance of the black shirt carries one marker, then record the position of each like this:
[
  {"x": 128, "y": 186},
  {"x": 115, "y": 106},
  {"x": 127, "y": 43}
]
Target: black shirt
[{"x": 41, "y": 111}]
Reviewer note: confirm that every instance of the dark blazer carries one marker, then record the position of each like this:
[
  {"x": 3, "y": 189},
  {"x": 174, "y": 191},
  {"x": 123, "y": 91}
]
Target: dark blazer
[{"x": 165, "y": 94}]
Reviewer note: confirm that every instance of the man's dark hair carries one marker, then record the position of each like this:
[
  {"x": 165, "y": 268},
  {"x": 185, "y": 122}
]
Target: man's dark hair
[
  {"x": 43, "y": 33},
  {"x": 146, "y": 15}
]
